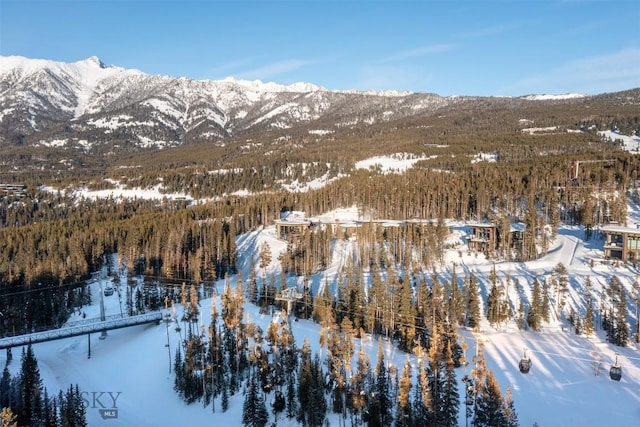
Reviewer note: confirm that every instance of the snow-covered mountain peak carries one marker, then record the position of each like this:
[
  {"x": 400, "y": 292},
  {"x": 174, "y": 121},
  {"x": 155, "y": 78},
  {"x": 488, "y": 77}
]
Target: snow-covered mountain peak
[
  {"x": 270, "y": 87},
  {"x": 95, "y": 61},
  {"x": 161, "y": 110},
  {"x": 548, "y": 97},
  {"x": 20, "y": 63}
]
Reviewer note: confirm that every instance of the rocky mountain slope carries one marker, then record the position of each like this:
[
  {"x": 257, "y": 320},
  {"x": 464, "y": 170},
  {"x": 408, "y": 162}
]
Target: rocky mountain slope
[{"x": 87, "y": 104}]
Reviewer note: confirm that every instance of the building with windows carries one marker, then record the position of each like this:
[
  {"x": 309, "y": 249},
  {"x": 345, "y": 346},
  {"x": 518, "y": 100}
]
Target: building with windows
[
  {"x": 621, "y": 242},
  {"x": 483, "y": 238},
  {"x": 291, "y": 225}
]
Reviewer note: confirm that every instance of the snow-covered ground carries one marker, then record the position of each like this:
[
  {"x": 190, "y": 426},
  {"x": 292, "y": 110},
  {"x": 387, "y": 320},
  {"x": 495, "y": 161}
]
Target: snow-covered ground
[
  {"x": 629, "y": 143},
  {"x": 560, "y": 390},
  {"x": 396, "y": 163}
]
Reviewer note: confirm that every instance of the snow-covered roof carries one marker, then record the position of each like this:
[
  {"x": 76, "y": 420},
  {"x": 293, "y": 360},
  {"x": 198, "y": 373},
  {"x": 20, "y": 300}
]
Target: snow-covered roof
[
  {"x": 481, "y": 224},
  {"x": 293, "y": 216},
  {"x": 619, "y": 229}
]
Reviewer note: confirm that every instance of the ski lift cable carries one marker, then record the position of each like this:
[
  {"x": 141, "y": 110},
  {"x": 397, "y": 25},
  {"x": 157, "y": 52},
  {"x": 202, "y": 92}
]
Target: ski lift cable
[{"x": 559, "y": 355}]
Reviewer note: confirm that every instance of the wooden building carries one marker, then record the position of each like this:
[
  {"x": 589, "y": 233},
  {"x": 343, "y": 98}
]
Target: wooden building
[
  {"x": 483, "y": 237},
  {"x": 15, "y": 190},
  {"x": 621, "y": 242},
  {"x": 291, "y": 225}
]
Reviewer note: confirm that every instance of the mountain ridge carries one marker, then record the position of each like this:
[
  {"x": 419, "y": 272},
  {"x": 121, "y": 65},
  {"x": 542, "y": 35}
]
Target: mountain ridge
[{"x": 87, "y": 104}]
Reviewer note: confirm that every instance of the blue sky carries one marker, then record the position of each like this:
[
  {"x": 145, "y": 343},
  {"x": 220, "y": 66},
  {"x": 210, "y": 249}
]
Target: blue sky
[{"x": 471, "y": 47}]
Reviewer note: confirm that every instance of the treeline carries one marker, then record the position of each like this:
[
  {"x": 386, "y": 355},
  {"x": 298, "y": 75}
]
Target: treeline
[
  {"x": 41, "y": 305},
  {"x": 59, "y": 240},
  {"x": 26, "y": 402},
  {"x": 54, "y": 238},
  {"x": 279, "y": 380}
]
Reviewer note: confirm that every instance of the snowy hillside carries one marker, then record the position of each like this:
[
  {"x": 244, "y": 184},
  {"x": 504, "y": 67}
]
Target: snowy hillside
[{"x": 561, "y": 389}]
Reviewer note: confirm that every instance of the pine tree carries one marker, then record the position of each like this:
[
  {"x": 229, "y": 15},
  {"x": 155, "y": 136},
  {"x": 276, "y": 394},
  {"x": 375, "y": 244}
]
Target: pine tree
[
  {"x": 318, "y": 404},
  {"x": 422, "y": 398},
  {"x": 534, "y": 316},
  {"x": 278, "y": 405},
  {"x": 265, "y": 261},
  {"x": 636, "y": 302},
  {"x": 359, "y": 386},
  {"x": 179, "y": 373},
  {"x": 588, "y": 322},
  {"x": 521, "y": 323},
  {"x": 72, "y": 408},
  {"x": 379, "y": 409},
  {"x": 472, "y": 301},
  {"x": 510, "y": 410},
  {"x": 622, "y": 334},
  {"x": 489, "y": 404},
  {"x": 404, "y": 413},
  {"x": 456, "y": 308},
  {"x": 546, "y": 304},
  {"x": 406, "y": 317},
  {"x": 48, "y": 417},
  {"x": 496, "y": 310},
  {"x": 561, "y": 279},
  {"x": 291, "y": 398},
  {"x": 225, "y": 399},
  {"x": 435, "y": 372},
  {"x": 30, "y": 389},
  {"x": 312, "y": 408},
  {"x": 5, "y": 388},
  {"x": 252, "y": 284},
  {"x": 450, "y": 396},
  {"x": 254, "y": 411},
  {"x": 615, "y": 322},
  {"x": 8, "y": 418}
]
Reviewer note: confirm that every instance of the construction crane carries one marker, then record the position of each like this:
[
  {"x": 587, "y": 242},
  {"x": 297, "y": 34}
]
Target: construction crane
[{"x": 575, "y": 166}]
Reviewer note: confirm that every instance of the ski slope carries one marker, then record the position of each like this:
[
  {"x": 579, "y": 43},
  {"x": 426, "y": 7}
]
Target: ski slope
[{"x": 133, "y": 365}]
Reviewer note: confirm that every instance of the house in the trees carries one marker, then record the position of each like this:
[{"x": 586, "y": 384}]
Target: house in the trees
[
  {"x": 483, "y": 237},
  {"x": 516, "y": 238},
  {"x": 486, "y": 237},
  {"x": 621, "y": 242},
  {"x": 291, "y": 225},
  {"x": 15, "y": 190}
]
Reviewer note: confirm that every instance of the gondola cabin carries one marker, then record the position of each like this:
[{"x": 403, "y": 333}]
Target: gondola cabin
[
  {"x": 525, "y": 363},
  {"x": 615, "y": 373}
]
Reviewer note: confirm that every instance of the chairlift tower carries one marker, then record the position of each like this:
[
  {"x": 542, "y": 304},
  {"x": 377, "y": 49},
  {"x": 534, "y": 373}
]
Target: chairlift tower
[{"x": 290, "y": 295}]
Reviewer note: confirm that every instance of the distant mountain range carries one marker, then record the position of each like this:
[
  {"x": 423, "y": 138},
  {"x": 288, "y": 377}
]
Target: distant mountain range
[{"x": 87, "y": 104}]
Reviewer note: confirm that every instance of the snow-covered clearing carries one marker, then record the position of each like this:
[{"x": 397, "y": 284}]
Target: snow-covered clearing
[
  {"x": 629, "y": 143},
  {"x": 396, "y": 163}
]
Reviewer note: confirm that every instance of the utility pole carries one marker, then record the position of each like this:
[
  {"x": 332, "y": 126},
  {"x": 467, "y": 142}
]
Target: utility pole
[
  {"x": 103, "y": 334},
  {"x": 167, "y": 319}
]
